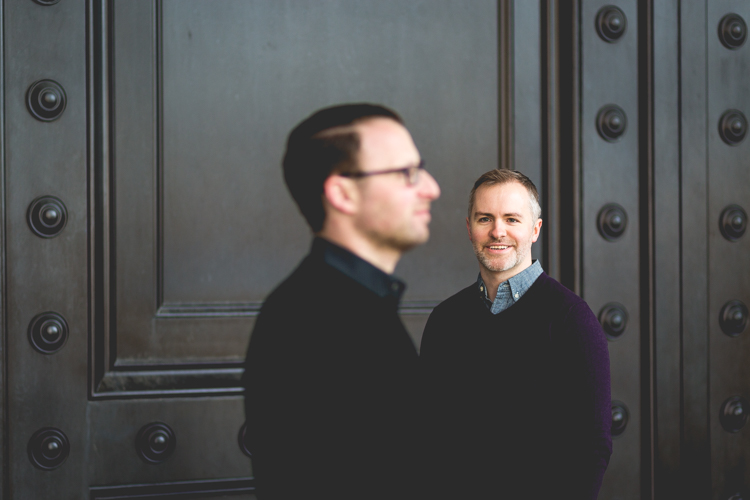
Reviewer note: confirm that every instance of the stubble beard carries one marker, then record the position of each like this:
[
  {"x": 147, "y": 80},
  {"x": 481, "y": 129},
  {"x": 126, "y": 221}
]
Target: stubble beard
[{"x": 496, "y": 267}]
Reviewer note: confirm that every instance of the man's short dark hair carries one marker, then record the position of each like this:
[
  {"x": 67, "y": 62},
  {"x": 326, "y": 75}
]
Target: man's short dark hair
[
  {"x": 504, "y": 176},
  {"x": 323, "y": 144}
]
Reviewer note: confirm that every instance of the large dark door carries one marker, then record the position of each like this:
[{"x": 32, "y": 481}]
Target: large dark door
[{"x": 145, "y": 217}]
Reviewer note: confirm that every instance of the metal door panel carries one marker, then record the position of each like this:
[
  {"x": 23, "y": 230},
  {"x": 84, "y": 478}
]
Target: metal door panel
[
  {"x": 728, "y": 177},
  {"x": 694, "y": 274},
  {"x": 167, "y": 158},
  {"x": 610, "y": 173},
  {"x": 48, "y": 274},
  {"x": 667, "y": 248},
  {"x": 206, "y": 431},
  {"x": 202, "y": 225}
]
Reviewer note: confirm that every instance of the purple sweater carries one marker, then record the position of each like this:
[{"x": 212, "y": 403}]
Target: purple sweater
[{"x": 518, "y": 403}]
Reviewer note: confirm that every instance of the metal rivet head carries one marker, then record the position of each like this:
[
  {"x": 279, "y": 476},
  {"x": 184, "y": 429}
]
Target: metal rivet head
[
  {"x": 620, "y": 418},
  {"x": 47, "y": 216},
  {"x": 614, "y": 320},
  {"x": 733, "y": 222},
  {"x": 155, "y": 442},
  {"x": 733, "y": 413},
  {"x": 611, "y": 23},
  {"x": 46, "y": 100},
  {"x": 733, "y": 318},
  {"x": 612, "y": 221},
  {"x": 732, "y": 127},
  {"x": 611, "y": 123},
  {"x": 732, "y": 31},
  {"x": 48, "y": 448},
  {"x": 48, "y": 332},
  {"x": 242, "y": 440}
]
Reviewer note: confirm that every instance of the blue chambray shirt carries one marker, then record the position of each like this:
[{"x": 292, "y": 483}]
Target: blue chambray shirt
[{"x": 508, "y": 292}]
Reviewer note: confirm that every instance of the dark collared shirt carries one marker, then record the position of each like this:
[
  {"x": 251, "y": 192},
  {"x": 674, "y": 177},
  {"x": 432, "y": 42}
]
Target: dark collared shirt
[
  {"x": 358, "y": 269},
  {"x": 510, "y": 291}
]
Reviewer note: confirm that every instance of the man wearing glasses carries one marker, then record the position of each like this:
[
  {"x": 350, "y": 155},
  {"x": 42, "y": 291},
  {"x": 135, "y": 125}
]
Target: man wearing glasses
[{"x": 330, "y": 372}]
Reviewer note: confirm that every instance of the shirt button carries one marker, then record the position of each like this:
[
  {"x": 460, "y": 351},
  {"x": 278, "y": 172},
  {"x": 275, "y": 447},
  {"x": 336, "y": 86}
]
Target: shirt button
[
  {"x": 394, "y": 286},
  {"x": 481, "y": 288},
  {"x": 516, "y": 295}
]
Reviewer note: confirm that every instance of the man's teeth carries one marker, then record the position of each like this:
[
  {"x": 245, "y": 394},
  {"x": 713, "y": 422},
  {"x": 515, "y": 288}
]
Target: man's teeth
[{"x": 498, "y": 247}]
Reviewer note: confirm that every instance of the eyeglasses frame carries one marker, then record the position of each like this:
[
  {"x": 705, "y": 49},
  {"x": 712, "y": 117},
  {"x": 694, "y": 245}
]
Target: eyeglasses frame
[{"x": 411, "y": 173}]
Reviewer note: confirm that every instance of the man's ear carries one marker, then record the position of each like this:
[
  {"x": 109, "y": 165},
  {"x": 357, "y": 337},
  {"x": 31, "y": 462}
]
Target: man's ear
[
  {"x": 537, "y": 230},
  {"x": 341, "y": 194},
  {"x": 468, "y": 228}
]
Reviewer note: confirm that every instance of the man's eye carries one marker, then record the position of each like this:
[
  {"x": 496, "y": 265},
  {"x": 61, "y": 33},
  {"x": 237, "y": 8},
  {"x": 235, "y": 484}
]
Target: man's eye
[
  {"x": 484, "y": 219},
  {"x": 512, "y": 220}
]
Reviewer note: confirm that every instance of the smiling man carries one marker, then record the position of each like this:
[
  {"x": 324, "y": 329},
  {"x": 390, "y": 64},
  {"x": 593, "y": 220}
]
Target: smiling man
[
  {"x": 330, "y": 373},
  {"x": 515, "y": 367}
]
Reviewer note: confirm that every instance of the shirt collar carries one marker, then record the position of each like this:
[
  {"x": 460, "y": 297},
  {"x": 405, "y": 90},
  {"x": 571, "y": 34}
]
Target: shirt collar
[
  {"x": 358, "y": 269},
  {"x": 518, "y": 285}
]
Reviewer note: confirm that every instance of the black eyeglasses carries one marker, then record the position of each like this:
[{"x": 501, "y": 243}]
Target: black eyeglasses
[{"x": 411, "y": 173}]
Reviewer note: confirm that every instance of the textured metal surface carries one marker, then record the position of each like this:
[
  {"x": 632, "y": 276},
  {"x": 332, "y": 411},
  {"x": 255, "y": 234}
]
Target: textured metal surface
[
  {"x": 178, "y": 223},
  {"x": 45, "y": 274},
  {"x": 169, "y": 174},
  {"x": 185, "y": 187},
  {"x": 667, "y": 246},
  {"x": 610, "y": 175},
  {"x": 694, "y": 129},
  {"x": 727, "y": 179}
]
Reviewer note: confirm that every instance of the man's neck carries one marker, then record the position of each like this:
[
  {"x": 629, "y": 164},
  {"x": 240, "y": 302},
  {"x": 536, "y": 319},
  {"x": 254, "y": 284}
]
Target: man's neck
[
  {"x": 493, "y": 279},
  {"x": 384, "y": 259}
]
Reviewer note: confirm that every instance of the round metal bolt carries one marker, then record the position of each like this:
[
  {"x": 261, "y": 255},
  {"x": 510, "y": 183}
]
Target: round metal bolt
[
  {"x": 611, "y": 23},
  {"x": 46, "y": 100},
  {"x": 733, "y": 222},
  {"x": 732, "y": 31},
  {"x": 611, "y": 123},
  {"x": 733, "y": 318}
]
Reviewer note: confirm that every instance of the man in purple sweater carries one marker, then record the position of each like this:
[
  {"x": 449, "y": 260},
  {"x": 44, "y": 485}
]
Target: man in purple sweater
[{"x": 515, "y": 367}]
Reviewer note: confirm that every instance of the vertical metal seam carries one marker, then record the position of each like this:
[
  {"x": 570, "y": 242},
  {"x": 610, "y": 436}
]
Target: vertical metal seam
[
  {"x": 157, "y": 103},
  {"x": 707, "y": 254},
  {"x": 506, "y": 68},
  {"x": 577, "y": 140},
  {"x": 89, "y": 89},
  {"x": 109, "y": 198},
  {"x": 551, "y": 137},
  {"x": 4, "y": 415},
  {"x": 647, "y": 253},
  {"x": 680, "y": 256}
]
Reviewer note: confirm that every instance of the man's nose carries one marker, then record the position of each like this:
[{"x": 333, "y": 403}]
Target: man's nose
[
  {"x": 428, "y": 186},
  {"x": 498, "y": 229}
]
